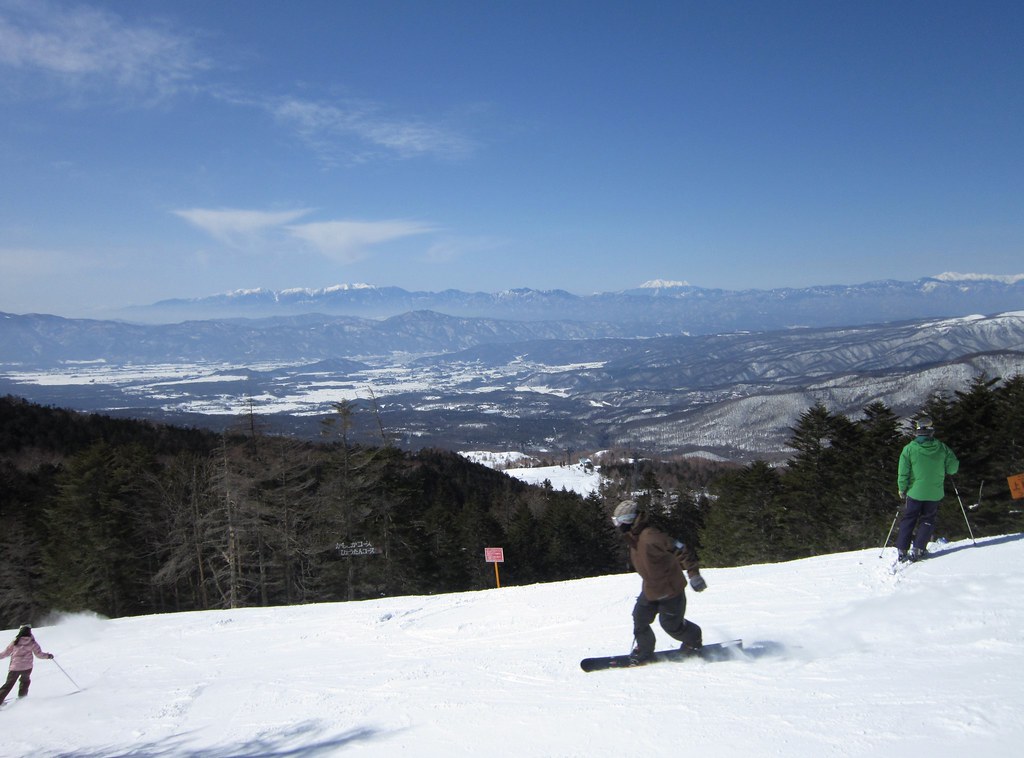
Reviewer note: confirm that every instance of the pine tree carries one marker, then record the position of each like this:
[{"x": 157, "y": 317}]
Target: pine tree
[
  {"x": 1010, "y": 413},
  {"x": 100, "y": 532},
  {"x": 744, "y": 522},
  {"x": 971, "y": 429},
  {"x": 525, "y": 562},
  {"x": 818, "y": 496},
  {"x": 874, "y": 498}
]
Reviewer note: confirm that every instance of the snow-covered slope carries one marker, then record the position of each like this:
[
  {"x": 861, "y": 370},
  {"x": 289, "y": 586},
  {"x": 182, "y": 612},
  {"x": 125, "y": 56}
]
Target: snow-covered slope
[
  {"x": 854, "y": 660},
  {"x": 576, "y": 477}
]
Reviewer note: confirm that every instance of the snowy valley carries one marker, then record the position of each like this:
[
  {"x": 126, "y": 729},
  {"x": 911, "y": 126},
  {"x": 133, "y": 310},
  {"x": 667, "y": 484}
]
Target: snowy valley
[{"x": 730, "y": 395}]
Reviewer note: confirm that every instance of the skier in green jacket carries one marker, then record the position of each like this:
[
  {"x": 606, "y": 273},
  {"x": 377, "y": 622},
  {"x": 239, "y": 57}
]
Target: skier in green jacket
[{"x": 924, "y": 464}]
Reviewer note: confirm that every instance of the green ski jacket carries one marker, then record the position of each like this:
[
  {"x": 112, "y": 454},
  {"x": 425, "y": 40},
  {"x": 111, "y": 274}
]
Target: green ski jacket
[{"x": 924, "y": 465}]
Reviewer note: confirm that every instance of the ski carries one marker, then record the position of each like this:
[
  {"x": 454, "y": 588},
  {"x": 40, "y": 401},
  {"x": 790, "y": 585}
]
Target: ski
[
  {"x": 898, "y": 566},
  {"x": 717, "y": 651}
]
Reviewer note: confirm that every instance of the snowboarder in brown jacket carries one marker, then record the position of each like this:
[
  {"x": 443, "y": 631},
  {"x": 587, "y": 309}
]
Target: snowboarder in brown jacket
[{"x": 660, "y": 560}]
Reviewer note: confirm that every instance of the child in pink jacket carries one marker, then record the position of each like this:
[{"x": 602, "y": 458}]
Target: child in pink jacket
[{"x": 21, "y": 652}]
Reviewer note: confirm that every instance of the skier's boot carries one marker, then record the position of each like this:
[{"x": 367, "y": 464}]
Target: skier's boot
[{"x": 903, "y": 556}]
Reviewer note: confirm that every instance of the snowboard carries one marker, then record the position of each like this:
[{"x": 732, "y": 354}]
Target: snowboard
[{"x": 716, "y": 651}]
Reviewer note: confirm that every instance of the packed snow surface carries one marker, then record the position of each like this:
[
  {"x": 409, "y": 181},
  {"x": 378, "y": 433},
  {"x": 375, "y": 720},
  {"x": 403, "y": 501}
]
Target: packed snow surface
[{"x": 844, "y": 657}]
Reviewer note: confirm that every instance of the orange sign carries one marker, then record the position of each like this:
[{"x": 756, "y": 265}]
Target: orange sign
[{"x": 1016, "y": 486}]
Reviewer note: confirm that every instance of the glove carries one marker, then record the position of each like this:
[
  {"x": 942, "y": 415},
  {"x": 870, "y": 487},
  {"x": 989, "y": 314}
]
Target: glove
[
  {"x": 50, "y": 656},
  {"x": 903, "y": 495},
  {"x": 697, "y": 583}
]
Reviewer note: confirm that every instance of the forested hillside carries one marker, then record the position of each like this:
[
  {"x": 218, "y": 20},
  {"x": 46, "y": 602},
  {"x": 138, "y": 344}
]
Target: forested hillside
[
  {"x": 124, "y": 517},
  {"x": 838, "y": 488}
]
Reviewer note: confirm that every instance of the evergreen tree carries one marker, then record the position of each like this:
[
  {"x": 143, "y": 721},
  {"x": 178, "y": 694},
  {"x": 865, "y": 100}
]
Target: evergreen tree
[
  {"x": 818, "y": 492},
  {"x": 21, "y": 574},
  {"x": 871, "y": 477},
  {"x": 1010, "y": 436},
  {"x": 971, "y": 428},
  {"x": 100, "y": 535},
  {"x": 684, "y": 519},
  {"x": 744, "y": 523},
  {"x": 578, "y": 539},
  {"x": 525, "y": 561},
  {"x": 21, "y": 541}
]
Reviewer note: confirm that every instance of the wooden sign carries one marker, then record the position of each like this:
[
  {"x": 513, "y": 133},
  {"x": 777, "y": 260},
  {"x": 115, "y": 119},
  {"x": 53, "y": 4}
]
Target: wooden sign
[{"x": 1016, "y": 483}]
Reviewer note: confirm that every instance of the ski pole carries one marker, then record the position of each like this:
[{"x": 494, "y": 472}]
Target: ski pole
[
  {"x": 963, "y": 511},
  {"x": 66, "y": 674},
  {"x": 891, "y": 527},
  {"x": 972, "y": 507}
]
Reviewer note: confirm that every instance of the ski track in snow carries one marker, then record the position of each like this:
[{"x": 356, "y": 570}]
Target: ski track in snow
[{"x": 844, "y": 657}]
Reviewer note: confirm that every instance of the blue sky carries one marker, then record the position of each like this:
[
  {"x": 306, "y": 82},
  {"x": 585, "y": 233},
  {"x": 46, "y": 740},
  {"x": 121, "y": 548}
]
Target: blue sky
[{"x": 153, "y": 149}]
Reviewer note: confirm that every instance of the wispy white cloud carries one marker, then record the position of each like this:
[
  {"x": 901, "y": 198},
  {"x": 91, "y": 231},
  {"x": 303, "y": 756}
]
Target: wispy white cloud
[
  {"x": 83, "y": 51},
  {"x": 329, "y": 128},
  {"x": 350, "y": 241},
  {"x": 239, "y": 228},
  {"x": 81, "y": 45},
  {"x": 342, "y": 241}
]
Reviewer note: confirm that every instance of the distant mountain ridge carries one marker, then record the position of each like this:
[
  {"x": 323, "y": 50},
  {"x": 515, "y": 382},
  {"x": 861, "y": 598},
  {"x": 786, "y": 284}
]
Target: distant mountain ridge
[
  {"x": 44, "y": 341},
  {"x": 656, "y": 307},
  {"x": 665, "y": 367}
]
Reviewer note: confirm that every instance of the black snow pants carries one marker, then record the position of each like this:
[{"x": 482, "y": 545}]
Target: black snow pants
[
  {"x": 12, "y": 677},
  {"x": 670, "y": 612},
  {"x": 919, "y": 515}
]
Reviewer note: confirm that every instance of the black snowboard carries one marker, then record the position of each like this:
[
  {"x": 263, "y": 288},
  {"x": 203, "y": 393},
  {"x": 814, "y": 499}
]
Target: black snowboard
[{"x": 717, "y": 651}]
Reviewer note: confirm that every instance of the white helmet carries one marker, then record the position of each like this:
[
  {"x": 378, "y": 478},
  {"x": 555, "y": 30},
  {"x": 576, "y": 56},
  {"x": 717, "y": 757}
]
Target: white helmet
[
  {"x": 625, "y": 513},
  {"x": 924, "y": 425}
]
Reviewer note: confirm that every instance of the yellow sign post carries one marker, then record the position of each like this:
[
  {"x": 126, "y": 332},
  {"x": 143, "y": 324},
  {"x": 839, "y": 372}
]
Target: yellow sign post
[
  {"x": 1016, "y": 483},
  {"x": 495, "y": 555}
]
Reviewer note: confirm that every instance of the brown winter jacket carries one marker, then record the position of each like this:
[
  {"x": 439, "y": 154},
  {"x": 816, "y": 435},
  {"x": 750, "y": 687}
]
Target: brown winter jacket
[{"x": 659, "y": 562}]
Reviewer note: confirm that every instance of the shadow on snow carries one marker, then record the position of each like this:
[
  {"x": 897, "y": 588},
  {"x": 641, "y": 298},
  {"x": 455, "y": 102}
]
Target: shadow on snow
[
  {"x": 980, "y": 542},
  {"x": 279, "y": 744}
]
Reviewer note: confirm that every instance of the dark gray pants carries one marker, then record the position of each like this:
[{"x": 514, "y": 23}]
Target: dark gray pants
[
  {"x": 12, "y": 677},
  {"x": 670, "y": 611},
  {"x": 920, "y": 515}
]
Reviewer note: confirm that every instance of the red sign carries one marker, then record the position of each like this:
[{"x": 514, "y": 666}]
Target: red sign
[
  {"x": 494, "y": 554},
  {"x": 1016, "y": 486}
]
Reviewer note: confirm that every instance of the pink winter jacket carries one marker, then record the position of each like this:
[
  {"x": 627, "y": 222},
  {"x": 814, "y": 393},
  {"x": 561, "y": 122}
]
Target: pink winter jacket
[{"x": 21, "y": 652}]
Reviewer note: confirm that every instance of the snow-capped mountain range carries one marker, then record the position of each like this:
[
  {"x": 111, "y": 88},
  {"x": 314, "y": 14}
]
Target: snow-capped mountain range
[
  {"x": 656, "y": 306},
  {"x": 503, "y": 384}
]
